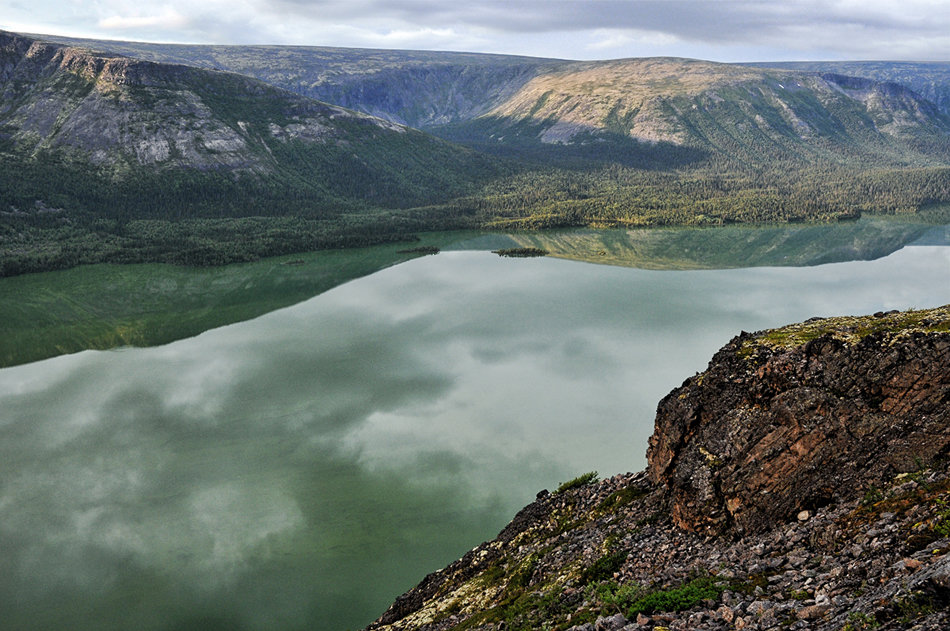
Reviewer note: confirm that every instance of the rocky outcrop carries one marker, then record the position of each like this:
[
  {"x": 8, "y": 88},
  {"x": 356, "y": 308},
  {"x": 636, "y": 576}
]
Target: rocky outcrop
[
  {"x": 774, "y": 427},
  {"x": 800, "y": 482}
]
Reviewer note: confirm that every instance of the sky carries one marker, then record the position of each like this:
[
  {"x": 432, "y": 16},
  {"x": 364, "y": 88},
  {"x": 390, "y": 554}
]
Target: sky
[{"x": 719, "y": 30}]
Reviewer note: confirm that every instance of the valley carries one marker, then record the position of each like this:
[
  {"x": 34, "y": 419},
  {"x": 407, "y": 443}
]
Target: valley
[
  {"x": 279, "y": 339},
  {"x": 171, "y": 156}
]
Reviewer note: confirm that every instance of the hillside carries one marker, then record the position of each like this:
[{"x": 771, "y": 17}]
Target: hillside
[
  {"x": 92, "y": 145},
  {"x": 493, "y": 101},
  {"x": 726, "y": 111},
  {"x": 124, "y": 113},
  {"x": 800, "y": 482},
  {"x": 929, "y": 79},
  {"x": 421, "y": 89}
]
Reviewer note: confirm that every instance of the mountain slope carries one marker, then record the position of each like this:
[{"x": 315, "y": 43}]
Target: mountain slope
[
  {"x": 930, "y": 80},
  {"x": 746, "y": 113},
  {"x": 417, "y": 88},
  {"x": 664, "y": 105},
  {"x": 125, "y": 116}
]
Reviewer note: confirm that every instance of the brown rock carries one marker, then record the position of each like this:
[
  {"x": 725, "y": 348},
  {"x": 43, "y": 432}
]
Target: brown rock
[
  {"x": 768, "y": 432},
  {"x": 812, "y": 612},
  {"x": 726, "y": 613},
  {"x": 912, "y": 564}
]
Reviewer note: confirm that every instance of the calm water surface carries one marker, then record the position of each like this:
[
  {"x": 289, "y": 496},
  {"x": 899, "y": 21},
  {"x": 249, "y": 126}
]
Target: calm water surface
[{"x": 301, "y": 469}]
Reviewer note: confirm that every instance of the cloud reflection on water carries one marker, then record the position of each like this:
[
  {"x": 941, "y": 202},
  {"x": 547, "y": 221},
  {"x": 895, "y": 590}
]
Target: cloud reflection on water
[{"x": 266, "y": 473}]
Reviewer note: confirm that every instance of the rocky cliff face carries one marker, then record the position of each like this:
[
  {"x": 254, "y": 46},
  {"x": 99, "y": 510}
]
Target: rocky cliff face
[
  {"x": 775, "y": 427},
  {"x": 800, "y": 482}
]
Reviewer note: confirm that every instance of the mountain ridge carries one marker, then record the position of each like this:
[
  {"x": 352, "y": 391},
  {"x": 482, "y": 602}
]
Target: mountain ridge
[
  {"x": 930, "y": 79},
  {"x": 387, "y": 83},
  {"x": 110, "y": 159},
  {"x": 357, "y": 77}
]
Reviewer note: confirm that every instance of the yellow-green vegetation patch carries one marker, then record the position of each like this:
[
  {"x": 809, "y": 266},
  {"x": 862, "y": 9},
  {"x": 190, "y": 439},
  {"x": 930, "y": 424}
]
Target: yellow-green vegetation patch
[
  {"x": 851, "y": 329},
  {"x": 575, "y": 483}
]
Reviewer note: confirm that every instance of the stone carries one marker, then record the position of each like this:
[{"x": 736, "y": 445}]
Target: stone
[
  {"x": 911, "y": 564},
  {"x": 613, "y": 623},
  {"x": 726, "y": 613},
  {"x": 811, "y": 612}
]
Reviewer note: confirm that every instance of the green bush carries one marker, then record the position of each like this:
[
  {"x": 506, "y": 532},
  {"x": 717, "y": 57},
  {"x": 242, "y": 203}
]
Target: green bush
[{"x": 582, "y": 480}]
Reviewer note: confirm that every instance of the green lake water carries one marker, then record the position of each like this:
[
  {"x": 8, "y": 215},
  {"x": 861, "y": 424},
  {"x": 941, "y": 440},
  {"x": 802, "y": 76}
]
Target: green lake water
[{"x": 301, "y": 468}]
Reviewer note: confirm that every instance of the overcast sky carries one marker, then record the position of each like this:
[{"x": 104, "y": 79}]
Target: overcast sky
[{"x": 721, "y": 30}]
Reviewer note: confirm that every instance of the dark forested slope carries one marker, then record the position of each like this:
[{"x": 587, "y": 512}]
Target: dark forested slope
[{"x": 93, "y": 145}]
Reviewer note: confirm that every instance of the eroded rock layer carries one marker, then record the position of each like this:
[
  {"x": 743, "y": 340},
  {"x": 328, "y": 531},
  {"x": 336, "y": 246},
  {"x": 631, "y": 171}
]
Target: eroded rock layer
[{"x": 775, "y": 426}]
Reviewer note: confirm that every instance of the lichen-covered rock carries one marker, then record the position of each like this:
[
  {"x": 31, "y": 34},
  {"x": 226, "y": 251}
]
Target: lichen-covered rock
[{"x": 777, "y": 425}]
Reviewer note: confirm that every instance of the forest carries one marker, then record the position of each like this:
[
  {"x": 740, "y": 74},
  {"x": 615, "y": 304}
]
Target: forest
[{"x": 195, "y": 218}]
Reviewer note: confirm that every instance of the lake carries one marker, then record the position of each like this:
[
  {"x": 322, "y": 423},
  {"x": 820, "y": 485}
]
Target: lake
[{"x": 300, "y": 469}]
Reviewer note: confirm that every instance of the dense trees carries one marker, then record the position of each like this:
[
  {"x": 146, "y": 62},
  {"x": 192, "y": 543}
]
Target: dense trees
[{"x": 55, "y": 213}]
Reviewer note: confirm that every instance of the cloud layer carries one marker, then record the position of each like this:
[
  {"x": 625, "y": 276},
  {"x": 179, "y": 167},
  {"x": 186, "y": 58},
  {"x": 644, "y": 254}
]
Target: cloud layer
[{"x": 724, "y": 30}]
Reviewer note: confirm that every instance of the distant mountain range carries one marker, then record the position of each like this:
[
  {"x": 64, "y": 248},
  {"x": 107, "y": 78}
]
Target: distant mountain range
[
  {"x": 814, "y": 110},
  {"x": 97, "y": 137}
]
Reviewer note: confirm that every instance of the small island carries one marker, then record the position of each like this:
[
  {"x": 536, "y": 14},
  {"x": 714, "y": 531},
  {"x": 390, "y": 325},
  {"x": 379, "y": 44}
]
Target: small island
[
  {"x": 521, "y": 252},
  {"x": 422, "y": 249}
]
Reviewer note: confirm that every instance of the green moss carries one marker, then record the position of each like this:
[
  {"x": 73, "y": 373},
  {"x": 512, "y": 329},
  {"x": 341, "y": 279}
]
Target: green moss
[
  {"x": 527, "y": 611},
  {"x": 632, "y": 599},
  {"x": 521, "y": 577},
  {"x": 859, "y": 621},
  {"x": 850, "y": 329},
  {"x": 912, "y": 607},
  {"x": 621, "y": 498}
]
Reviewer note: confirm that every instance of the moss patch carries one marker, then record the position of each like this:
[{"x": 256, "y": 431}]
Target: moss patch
[{"x": 850, "y": 329}]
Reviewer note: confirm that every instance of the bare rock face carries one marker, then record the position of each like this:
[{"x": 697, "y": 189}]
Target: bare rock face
[{"x": 790, "y": 420}]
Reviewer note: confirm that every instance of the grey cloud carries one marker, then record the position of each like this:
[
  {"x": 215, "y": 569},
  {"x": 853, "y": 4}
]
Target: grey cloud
[
  {"x": 804, "y": 25},
  {"x": 710, "y": 20}
]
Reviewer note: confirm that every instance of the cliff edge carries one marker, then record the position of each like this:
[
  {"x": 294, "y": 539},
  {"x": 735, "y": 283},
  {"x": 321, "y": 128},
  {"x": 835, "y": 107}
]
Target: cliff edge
[
  {"x": 800, "y": 482},
  {"x": 793, "y": 419}
]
